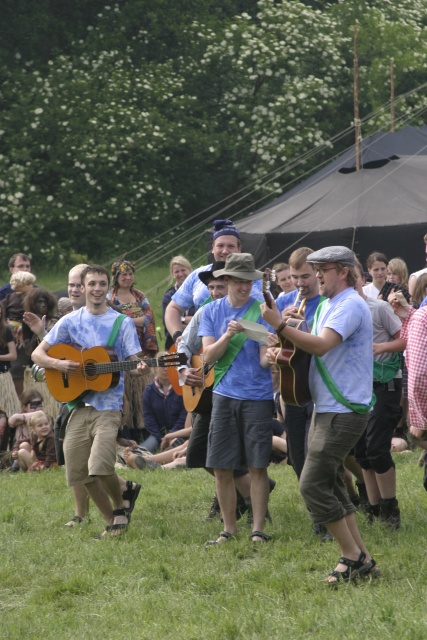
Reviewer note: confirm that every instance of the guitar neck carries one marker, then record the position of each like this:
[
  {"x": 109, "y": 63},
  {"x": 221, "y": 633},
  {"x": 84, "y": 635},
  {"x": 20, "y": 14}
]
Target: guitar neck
[{"x": 128, "y": 365}]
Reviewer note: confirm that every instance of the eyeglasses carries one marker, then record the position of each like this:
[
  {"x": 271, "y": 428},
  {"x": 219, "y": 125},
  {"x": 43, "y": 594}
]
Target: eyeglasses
[{"x": 320, "y": 272}]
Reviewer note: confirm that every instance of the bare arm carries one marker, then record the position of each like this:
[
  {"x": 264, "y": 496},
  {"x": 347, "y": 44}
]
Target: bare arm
[
  {"x": 316, "y": 345},
  {"x": 394, "y": 346},
  {"x": 40, "y": 357},
  {"x": 173, "y": 317}
]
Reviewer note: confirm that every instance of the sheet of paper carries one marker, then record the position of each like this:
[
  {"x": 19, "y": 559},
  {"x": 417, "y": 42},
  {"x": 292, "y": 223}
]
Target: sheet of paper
[{"x": 254, "y": 331}]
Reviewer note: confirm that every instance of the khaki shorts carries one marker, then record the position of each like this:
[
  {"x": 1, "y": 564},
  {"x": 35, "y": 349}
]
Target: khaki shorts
[{"x": 90, "y": 444}]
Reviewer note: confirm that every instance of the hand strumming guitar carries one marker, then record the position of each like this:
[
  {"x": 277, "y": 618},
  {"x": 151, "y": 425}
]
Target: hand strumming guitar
[{"x": 190, "y": 377}]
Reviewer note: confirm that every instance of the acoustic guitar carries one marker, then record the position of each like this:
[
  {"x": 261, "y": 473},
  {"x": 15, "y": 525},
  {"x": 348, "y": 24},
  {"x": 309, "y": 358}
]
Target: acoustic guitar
[
  {"x": 199, "y": 399},
  {"x": 99, "y": 369},
  {"x": 293, "y": 362}
]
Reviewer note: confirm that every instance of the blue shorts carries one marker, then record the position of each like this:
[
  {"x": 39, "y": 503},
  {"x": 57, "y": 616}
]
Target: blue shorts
[{"x": 240, "y": 433}]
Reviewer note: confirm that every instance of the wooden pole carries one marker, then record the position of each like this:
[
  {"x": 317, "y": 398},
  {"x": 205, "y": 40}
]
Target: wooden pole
[
  {"x": 392, "y": 112},
  {"x": 357, "y": 128}
]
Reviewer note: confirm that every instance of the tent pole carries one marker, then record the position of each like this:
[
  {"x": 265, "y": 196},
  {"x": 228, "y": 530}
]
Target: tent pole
[
  {"x": 392, "y": 113},
  {"x": 357, "y": 127}
]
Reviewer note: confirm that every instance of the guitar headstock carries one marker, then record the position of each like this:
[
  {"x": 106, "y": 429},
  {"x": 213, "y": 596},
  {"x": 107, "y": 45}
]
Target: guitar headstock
[
  {"x": 267, "y": 277},
  {"x": 172, "y": 360}
]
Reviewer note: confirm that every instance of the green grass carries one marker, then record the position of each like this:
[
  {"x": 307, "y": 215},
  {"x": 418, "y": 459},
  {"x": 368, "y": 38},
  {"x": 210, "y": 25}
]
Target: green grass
[{"x": 160, "y": 581}]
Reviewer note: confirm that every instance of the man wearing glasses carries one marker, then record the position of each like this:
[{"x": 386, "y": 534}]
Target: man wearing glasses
[{"x": 340, "y": 381}]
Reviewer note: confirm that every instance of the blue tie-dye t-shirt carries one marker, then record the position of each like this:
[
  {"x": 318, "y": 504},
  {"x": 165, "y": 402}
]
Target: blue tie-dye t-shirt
[{"x": 87, "y": 330}]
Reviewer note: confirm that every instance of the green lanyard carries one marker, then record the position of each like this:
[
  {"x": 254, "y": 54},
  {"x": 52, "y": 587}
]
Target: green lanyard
[
  {"x": 329, "y": 382},
  {"x": 235, "y": 344}
]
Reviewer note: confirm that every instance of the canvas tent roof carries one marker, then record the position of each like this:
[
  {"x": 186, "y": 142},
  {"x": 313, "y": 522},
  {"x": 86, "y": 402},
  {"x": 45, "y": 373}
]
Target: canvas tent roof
[{"x": 383, "y": 207}]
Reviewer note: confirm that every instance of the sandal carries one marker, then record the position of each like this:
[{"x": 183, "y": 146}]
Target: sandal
[
  {"x": 370, "y": 570},
  {"x": 260, "y": 534},
  {"x": 130, "y": 494},
  {"x": 223, "y": 537},
  {"x": 99, "y": 536},
  {"x": 74, "y": 520},
  {"x": 354, "y": 568},
  {"x": 121, "y": 526}
]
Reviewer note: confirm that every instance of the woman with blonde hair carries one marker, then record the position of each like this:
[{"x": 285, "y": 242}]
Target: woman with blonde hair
[{"x": 180, "y": 268}]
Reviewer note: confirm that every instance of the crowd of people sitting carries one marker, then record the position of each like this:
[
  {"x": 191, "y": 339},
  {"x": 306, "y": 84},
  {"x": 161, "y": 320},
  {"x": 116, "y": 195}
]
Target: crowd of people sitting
[{"x": 228, "y": 408}]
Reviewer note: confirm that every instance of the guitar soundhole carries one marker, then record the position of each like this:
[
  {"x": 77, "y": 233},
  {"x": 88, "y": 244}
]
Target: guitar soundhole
[{"x": 90, "y": 370}]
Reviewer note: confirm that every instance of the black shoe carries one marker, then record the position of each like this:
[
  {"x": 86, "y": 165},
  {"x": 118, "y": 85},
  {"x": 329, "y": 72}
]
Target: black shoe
[
  {"x": 390, "y": 513},
  {"x": 215, "y": 509},
  {"x": 373, "y": 512}
]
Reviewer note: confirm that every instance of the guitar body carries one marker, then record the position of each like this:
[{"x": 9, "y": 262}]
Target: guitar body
[
  {"x": 67, "y": 387},
  {"x": 199, "y": 399},
  {"x": 294, "y": 364}
]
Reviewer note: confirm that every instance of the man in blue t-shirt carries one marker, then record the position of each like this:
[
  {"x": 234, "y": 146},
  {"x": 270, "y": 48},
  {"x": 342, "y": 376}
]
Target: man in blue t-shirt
[
  {"x": 298, "y": 418},
  {"x": 90, "y": 440},
  {"x": 193, "y": 291},
  {"x": 340, "y": 381},
  {"x": 242, "y": 411}
]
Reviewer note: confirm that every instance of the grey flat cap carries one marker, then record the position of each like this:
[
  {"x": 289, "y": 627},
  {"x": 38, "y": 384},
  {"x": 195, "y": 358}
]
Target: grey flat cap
[{"x": 332, "y": 254}]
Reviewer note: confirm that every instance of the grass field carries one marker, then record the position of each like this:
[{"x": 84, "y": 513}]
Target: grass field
[{"x": 160, "y": 581}]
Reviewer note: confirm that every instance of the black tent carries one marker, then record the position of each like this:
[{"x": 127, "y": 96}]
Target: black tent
[{"x": 383, "y": 207}]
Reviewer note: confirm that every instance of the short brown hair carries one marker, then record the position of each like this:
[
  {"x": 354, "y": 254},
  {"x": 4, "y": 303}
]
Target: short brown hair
[
  {"x": 280, "y": 266},
  {"x": 351, "y": 278},
  {"x": 15, "y": 257},
  {"x": 95, "y": 268},
  {"x": 376, "y": 256},
  {"x": 299, "y": 257}
]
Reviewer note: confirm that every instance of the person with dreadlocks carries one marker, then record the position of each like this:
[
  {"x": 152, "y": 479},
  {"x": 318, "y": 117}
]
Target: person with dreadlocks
[{"x": 132, "y": 302}]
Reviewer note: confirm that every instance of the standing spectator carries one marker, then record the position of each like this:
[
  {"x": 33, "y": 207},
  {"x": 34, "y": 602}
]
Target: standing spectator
[
  {"x": 377, "y": 267},
  {"x": 373, "y": 449},
  {"x": 40, "y": 308},
  {"x": 397, "y": 272},
  {"x": 13, "y": 305},
  {"x": 413, "y": 277},
  {"x": 133, "y": 303},
  {"x": 283, "y": 278},
  {"x": 9, "y": 398},
  {"x": 180, "y": 268},
  {"x": 17, "y": 262}
]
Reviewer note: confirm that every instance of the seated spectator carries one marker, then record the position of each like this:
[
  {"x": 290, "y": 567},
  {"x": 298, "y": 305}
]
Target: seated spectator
[
  {"x": 180, "y": 268},
  {"x": 31, "y": 401},
  {"x": 37, "y": 452},
  {"x": 163, "y": 409}
]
